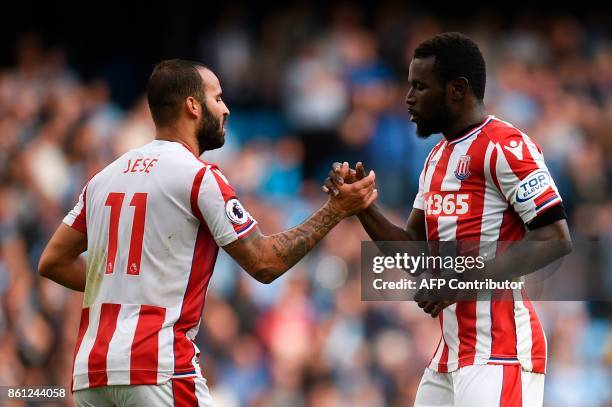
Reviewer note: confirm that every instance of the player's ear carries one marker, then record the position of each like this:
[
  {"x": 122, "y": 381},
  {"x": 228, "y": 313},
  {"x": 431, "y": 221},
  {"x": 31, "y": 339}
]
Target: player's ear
[
  {"x": 192, "y": 106},
  {"x": 458, "y": 88}
]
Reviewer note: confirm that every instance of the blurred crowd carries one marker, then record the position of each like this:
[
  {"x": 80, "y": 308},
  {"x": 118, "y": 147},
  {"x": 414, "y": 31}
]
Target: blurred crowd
[{"x": 304, "y": 91}]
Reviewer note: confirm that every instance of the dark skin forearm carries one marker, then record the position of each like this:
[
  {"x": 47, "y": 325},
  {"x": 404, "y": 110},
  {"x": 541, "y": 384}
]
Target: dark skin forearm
[{"x": 379, "y": 228}]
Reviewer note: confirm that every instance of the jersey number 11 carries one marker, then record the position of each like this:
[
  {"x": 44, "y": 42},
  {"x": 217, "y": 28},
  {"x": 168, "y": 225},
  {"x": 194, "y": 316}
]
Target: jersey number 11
[{"x": 139, "y": 202}]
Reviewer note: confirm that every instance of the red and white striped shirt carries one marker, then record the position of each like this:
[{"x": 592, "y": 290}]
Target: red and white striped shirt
[
  {"x": 484, "y": 187},
  {"x": 154, "y": 220}
]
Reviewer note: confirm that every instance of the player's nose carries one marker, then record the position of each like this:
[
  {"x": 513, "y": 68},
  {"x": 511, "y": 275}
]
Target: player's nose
[{"x": 410, "y": 98}]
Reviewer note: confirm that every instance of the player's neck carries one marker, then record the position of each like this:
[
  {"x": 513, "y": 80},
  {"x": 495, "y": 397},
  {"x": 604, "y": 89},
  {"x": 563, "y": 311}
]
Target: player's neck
[
  {"x": 172, "y": 133},
  {"x": 465, "y": 123}
]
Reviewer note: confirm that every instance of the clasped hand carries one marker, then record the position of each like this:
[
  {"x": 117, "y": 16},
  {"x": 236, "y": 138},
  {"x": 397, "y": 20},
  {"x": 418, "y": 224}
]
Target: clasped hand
[{"x": 350, "y": 191}]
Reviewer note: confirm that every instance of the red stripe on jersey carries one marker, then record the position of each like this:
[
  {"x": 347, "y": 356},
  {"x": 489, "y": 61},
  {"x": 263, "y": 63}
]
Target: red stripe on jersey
[
  {"x": 184, "y": 393},
  {"x": 538, "y": 342},
  {"x": 226, "y": 190},
  {"x": 144, "y": 352},
  {"x": 440, "y": 170},
  {"x": 493, "y": 169},
  {"x": 503, "y": 326},
  {"x": 466, "y": 326},
  {"x": 80, "y": 222},
  {"x": 97, "y": 357},
  {"x": 511, "y": 395},
  {"x": 82, "y": 329},
  {"x": 205, "y": 254},
  {"x": 195, "y": 192}
]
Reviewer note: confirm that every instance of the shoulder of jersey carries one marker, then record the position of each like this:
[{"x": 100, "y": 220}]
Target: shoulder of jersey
[{"x": 500, "y": 131}]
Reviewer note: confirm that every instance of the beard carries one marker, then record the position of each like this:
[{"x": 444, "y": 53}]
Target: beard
[
  {"x": 210, "y": 133},
  {"x": 435, "y": 123}
]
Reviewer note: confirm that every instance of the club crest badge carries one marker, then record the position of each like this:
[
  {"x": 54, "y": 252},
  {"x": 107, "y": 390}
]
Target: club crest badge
[
  {"x": 235, "y": 212},
  {"x": 463, "y": 167}
]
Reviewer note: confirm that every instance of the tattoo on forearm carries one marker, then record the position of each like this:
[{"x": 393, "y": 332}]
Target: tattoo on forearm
[{"x": 292, "y": 245}]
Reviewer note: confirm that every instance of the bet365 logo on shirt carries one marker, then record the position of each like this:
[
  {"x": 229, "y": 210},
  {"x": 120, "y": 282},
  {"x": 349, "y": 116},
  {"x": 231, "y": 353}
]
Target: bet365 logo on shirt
[{"x": 447, "y": 203}]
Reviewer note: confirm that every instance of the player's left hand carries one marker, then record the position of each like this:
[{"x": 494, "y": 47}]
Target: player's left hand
[
  {"x": 354, "y": 197},
  {"x": 434, "y": 308},
  {"x": 433, "y": 301},
  {"x": 337, "y": 177}
]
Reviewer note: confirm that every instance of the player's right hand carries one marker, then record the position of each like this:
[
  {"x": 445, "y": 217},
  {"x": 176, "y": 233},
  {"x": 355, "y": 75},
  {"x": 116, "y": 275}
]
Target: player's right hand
[
  {"x": 354, "y": 197},
  {"x": 334, "y": 178}
]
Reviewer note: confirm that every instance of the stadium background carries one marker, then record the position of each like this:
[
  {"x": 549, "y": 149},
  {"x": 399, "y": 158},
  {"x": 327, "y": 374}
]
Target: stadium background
[{"x": 306, "y": 86}]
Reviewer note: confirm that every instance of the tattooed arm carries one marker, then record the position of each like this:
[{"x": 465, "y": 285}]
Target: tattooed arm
[{"x": 268, "y": 257}]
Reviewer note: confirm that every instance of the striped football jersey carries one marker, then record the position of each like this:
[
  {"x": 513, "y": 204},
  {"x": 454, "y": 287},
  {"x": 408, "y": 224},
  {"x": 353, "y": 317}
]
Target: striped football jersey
[
  {"x": 155, "y": 219},
  {"x": 484, "y": 187}
]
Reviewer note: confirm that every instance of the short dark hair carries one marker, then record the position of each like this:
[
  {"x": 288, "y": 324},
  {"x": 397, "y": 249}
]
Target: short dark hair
[
  {"x": 170, "y": 83},
  {"x": 456, "y": 55}
]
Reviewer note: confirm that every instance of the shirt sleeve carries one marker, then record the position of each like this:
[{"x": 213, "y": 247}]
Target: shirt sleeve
[
  {"x": 220, "y": 208},
  {"x": 523, "y": 178},
  {"x": 77, "y": 217}
]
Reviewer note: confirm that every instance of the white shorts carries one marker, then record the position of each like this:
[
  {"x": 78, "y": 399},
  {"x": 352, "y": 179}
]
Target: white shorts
[
  {"x": 482, "y": 386},
  {"x": 180, "y": 392}
]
